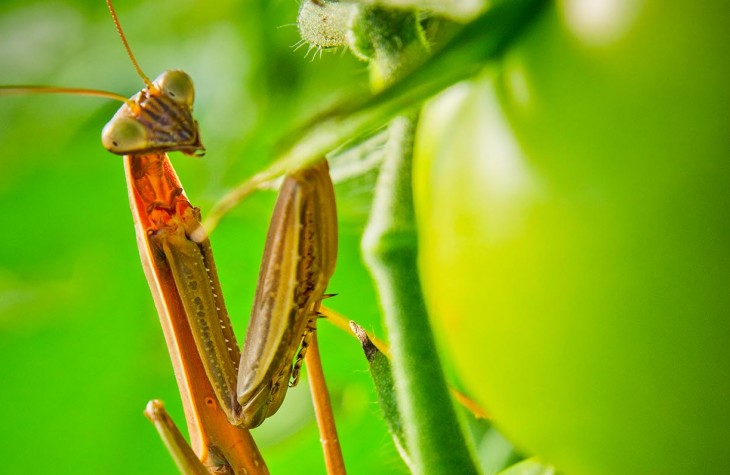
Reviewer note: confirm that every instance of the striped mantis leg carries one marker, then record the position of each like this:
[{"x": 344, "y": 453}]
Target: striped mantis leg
[{"x": 216, "y": 442}]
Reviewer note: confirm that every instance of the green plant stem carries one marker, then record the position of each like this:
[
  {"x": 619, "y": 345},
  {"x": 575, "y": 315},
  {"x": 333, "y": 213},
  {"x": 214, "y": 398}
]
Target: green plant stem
[
  {"x": 434, "y": 441},
  {"x": 382, "y": 374},
  {"x": 433, "y": 436}
]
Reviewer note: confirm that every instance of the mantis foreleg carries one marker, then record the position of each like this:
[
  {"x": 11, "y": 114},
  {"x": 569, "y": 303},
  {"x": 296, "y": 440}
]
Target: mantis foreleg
[{"x": 299, "y": 259}]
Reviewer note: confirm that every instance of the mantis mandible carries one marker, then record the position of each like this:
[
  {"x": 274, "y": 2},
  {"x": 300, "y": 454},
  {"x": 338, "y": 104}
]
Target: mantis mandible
[{"x": 224, "y": 390}]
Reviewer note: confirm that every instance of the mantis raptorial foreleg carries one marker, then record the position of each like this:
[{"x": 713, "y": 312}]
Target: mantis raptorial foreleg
[
  {"x": 218, "y": 444},
  {"x": 299, "y": 259},
  {"x": 298, "y": 262}
]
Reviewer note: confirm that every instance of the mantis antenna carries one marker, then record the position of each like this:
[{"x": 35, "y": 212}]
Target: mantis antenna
[
  {"x": 7, "y": 90},
  {"x": 141, "y": 73}
]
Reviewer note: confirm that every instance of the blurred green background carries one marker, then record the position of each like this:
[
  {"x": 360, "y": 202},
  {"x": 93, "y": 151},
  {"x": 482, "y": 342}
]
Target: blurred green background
[{"x": 81, "y": 351}]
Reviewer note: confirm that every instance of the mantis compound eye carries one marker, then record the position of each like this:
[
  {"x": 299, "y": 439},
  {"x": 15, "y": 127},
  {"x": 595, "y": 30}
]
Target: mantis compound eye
[
  {"x": 178, "y": 86},
  {"x": 123, "y": 135}
]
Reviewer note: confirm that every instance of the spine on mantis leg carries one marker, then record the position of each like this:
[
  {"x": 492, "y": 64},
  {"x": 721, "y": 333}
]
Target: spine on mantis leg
[{"x": 299, "y": 259}]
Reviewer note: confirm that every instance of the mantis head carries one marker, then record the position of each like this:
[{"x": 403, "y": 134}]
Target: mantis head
[{"x": 159, "y": 118}]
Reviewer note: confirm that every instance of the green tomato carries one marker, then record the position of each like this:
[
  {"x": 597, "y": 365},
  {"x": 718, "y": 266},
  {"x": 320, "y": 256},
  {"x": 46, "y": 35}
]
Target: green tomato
[{"x": 574, "y": 213}]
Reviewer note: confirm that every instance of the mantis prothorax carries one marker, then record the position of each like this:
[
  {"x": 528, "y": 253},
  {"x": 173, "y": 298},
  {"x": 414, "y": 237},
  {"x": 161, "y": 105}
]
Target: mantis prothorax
[{"x": 224, "y": 390}]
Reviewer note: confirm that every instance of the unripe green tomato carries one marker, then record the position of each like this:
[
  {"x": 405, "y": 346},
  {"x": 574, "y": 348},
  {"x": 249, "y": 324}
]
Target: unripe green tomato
[{"x": 574, "y": 214}]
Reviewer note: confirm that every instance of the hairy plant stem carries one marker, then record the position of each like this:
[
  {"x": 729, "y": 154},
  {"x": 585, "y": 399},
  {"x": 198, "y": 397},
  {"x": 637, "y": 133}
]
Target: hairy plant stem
[{"x": 433, "y": 436}]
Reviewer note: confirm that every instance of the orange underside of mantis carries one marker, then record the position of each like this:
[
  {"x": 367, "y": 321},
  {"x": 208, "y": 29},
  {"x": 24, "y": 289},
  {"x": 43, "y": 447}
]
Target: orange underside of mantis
[
  {"x": 158, "y": 194},
  {"x": 157, "y": 201}
]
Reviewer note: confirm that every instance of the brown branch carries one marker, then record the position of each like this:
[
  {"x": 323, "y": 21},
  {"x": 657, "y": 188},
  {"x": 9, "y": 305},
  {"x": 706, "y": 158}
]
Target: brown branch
[{"x": 323, "y": 410}]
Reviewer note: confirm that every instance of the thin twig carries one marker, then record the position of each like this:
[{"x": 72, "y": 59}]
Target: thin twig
[{"x": 323, "y": 409}]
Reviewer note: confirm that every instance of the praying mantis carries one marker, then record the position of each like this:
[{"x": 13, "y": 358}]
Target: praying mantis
[{"x": 167, "y": 202}]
